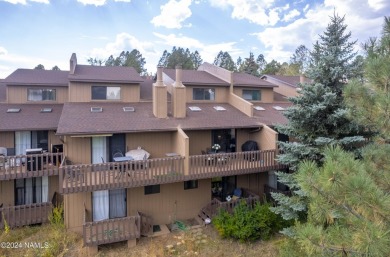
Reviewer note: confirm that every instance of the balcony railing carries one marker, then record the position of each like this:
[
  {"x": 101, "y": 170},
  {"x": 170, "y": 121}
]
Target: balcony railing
[
  {"x": 112, "y": 230},
  {"x": 22, "y": 215},
  {"x": 112, "y": 175},
  {"x": 26, "y": 166},
  {"x": 92, "y": 177},
  {"x": 227, "y": 164}
]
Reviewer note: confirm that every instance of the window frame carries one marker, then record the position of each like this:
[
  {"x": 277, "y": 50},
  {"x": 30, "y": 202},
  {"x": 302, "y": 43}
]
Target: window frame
[
  {"x": 98, "y": 96},
  {"x": 43, "y": 92},
  {"x": 191, "y": 184},
  {"x": 251, "y": 92},
  {"x": 152, "y": 189},
  {"x": 206, "y": 93}
]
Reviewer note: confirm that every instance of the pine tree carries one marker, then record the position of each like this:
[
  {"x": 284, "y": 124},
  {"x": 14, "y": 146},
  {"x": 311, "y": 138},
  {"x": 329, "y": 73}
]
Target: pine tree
[
  {"x": 318, "y": 116},
  {"x": 349, "y": 208}
]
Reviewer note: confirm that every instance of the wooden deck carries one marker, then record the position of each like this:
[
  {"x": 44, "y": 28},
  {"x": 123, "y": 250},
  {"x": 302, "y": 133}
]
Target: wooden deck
[
  {"x": 27, "y": 166},
  {"x": 92, "y": 177},
  {"x": 23, "y": 215}
]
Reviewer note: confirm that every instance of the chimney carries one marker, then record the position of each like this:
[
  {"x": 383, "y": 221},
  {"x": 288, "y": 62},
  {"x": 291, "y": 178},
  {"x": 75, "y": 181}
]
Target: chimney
[
  {"x": 178, "y": 95},
  {"x": 160, "y": 102},
  {"x": 73, "y": 63}
]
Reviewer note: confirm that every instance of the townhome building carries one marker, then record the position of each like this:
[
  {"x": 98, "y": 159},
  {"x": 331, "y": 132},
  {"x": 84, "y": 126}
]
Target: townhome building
[{"x": 127, "y": 154}]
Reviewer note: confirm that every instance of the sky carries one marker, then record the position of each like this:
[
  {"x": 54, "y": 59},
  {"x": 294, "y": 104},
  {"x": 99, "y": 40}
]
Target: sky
[{"x": 47, "y": 32}]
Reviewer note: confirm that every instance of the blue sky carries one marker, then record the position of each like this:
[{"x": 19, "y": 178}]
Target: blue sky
[{"x": 47, "y": 32}]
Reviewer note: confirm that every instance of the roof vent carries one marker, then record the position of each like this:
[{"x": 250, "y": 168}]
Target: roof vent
[
  {"x": 219, "y": 108},
  {"x": 128, "y": 109},
  {"x": 258, "y": 108},
  {"x": 194, "y": 108},
  {"x": 46, "y": 110},
  {"x": 96, "y": 109},
  {"x": 278, "y": 108},
  {"x": 13, "y": 110}
]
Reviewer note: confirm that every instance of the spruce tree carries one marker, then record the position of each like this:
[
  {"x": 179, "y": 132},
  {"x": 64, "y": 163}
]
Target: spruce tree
[
  {"x": 318, "y": 116},
  {"x": 349, "y": 208}
]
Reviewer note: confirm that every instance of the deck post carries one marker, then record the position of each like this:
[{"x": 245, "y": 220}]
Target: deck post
[
  {"x": 91, "y": 250},
  {"x": 132, "y": 243}
]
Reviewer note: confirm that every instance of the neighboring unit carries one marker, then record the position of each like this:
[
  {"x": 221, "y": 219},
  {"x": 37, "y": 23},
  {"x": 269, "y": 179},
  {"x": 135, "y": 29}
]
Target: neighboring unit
[{"x": 128, "y": 153}]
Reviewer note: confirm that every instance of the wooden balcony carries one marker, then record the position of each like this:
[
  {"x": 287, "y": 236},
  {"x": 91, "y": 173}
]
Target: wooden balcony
[
  {"x": 112, "y": 230},
  {"x": 23, "y": 215},
  {"x": 228, "y": 164},
  {"x": 213, "y": 208},
  {"x": 92, "y": 177},
  {"x": 27, "y": 166}
]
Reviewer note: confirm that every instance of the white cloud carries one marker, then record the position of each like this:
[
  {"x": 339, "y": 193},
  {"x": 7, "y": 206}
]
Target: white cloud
[
  {"x": 24, "y": 2},
  {"x": 280, "y": 42},
  {"x": 259, "y": 12},
  {"x": 291, "y": 15},
  {"x": 92, "y": 2},
  {"x": 207, "y": 51},
  {"x": 377, "y": 4},
  {"x": 3, "y": 51},
  {"x": 173, "y": 14},
  {"x": 126, "y": 1}
]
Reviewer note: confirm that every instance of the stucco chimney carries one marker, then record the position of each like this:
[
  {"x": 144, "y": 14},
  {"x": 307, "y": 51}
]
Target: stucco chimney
[
  {"x": 160, "y": 101},
  {"x": 73, "y": 63},
  {"x": 179, "y": 95}
]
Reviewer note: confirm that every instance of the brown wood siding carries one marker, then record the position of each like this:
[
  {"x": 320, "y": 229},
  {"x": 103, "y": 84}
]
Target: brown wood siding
[
  {"x": 173, "y": 202},
  {"x": 267, "y": 94},
  {"x": 254, "y": 182},
  {"x": 199, "y": 140},
  {"x": 7, "y": 139},
  {"x": 156, "y": 143},
  {"x": 53, "y": 139},
  {"x": 81, "y": 92},
  {"x": 78, "y": 149},
  {"x": 18, "y": 94},
  {"x": 74, "y": 210},
  {"x": 221, "y": 94},
  {"x": 7, "y": 197}
]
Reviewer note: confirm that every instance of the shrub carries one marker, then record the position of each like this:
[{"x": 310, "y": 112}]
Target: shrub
[
  {"x": 56, "y": 217},
  {"x": 249, "y": 224}
]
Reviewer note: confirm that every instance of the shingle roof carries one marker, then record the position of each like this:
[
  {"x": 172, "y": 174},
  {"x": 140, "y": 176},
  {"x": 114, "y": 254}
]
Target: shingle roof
[
  {"x": 271, "y": 116},
  {"x": 77, "y": 118},
  {"x": 195, "y": 77},
  {"x": 113, "y": 74},
  {"x": 37, "y": 77},
  {"x": 288, "y": 80},
  {"x": 30, "y": 117},
  {"x": 243, "y": 79}
]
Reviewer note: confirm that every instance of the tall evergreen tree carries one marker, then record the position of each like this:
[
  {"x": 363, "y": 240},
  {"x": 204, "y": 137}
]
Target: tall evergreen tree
[
  {"x": 318, "y": 116},
  {"x": 224, "y": 60},
  {"x": 301, "y": 58},
  {"x": 180, "y": 56},
  {"x": 129, "y": 59},
  {"x": 349, "y": 198},
  {"x": 261, "y": 62},
  {"x": 250, "y": 66},
  {"x": 272, "y": 68}
]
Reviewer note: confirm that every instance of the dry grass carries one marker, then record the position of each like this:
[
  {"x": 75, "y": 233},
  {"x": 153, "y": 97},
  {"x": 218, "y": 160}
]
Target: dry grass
[{"x": 197, "y": 242}]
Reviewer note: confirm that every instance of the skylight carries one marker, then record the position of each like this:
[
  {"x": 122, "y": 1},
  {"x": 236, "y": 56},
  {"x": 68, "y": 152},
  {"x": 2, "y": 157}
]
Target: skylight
[
  {"x": 46, "y": 110},
  {"x": 194, "y": 108},
  {"x": 128, "y": 109},
  {"x": 13, "y": 110},
  {"x": 96, "y": 109},
  {"x": 258, "y": 108},
  {"x": 278, "y": 108},
  {"x": 219, "y": 108}
]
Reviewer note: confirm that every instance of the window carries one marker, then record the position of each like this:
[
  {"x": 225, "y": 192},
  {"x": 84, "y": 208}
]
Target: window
[
  {"x": 203, "y": 94},
  {"x": 106, "y": 93},
  {"x": 31, "y": 139},
  {"x": 31, "y": 190},
  {"x": 251, "y": 95},
  {"x": 154, "y": 189},
  {"x": 41, "y": 94},
  {"x": 109, "y": 204},
  {"x": 190, "y": 184}
]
